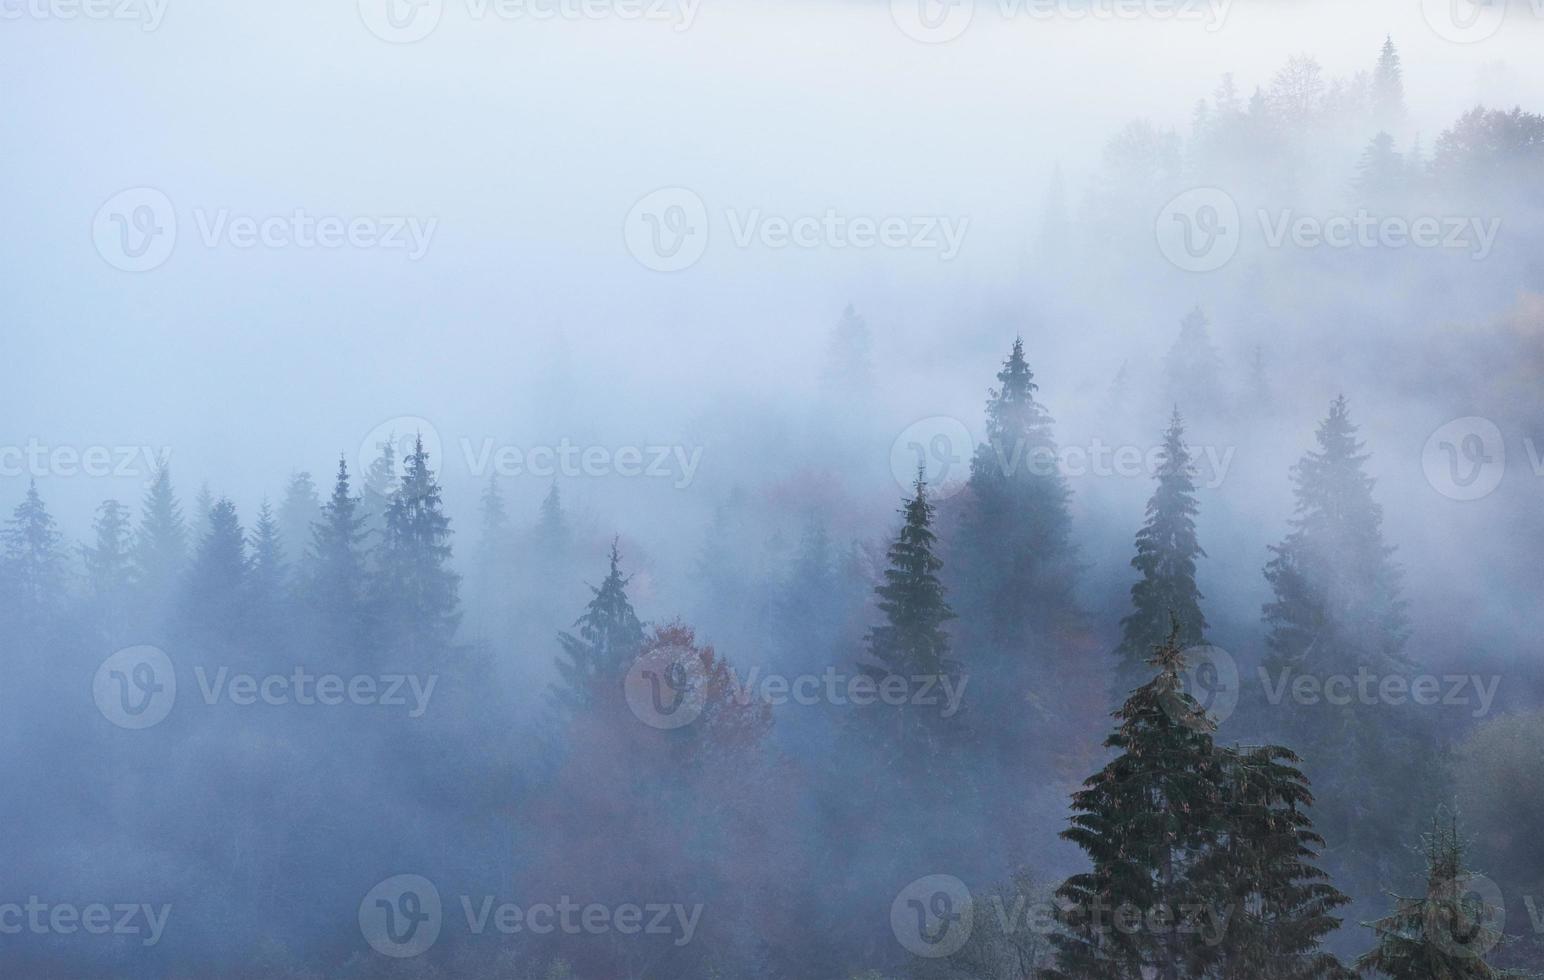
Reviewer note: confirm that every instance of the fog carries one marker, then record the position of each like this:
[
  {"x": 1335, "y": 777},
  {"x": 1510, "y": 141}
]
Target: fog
[{"x": 712, "y": 279}]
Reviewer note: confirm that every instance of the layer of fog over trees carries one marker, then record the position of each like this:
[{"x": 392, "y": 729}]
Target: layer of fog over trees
[{"x": 775, "y": 400}]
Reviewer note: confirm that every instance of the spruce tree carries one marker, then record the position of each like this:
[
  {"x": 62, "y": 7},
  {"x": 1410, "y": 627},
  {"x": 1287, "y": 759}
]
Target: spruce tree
[
  {"x": 1380, "y": 173},
  {"x": 1147, "y": 821},
  {"x": 160, "y": 542},
  {"x": 416, "y": 588},
  {"x": 1167, "y": 550},
  {"x": 1388, "y": 87},
  {"x": 300, "y": 508},
  {"x": 552, "y": 535},
  {"x": 269, "y": 570},
  {"x": 378, "y": 484},
  {"x": 1192, "y": 368},
  {"x": 216, "y": 586},
  {"x": 336, "y": 572},
  {"x": 109, "y": 568},
  {"x": 1280, "y": 906},
  {"x": 1446, "y": 933},
  {"x": 609, "y": 638},
  {"x": 912, "y": 644},
  {"x": 849, "y": 370},
  {"x": 1015, "y": 557},
  {"x": 33, "y": 570}
]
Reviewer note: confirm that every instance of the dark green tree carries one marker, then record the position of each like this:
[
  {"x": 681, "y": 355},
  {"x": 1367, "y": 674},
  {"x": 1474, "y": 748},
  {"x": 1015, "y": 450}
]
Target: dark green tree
[
  {"x": 1445, "y": 934},
  {"x": 911, "y": 644},
  {"x": 609, "y": 638},
  {"x": 1147, "y": 821},
  {"x": 1167, "y": 549},
  {"x": 416, "y": 589}
]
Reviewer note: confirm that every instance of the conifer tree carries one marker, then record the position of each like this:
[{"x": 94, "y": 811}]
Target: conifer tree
[
  {"x": 1147, "y": 821},
  {"x": 160, "y": 541},
  {"x": 495, "y": 552},
  {"x": 1015, "y": 556},
  {"x": 552, "y": 534},
  {"x": 849, "y": 371},
  {"x": 1446, "y": 933},
  {"x": 269, "y": 570},
  {"x": 203, "y": 508},
  {"x": 33, "y": 570},
  {"x": 1192, "y": 368},
  {"x": 417, "y": 589},
  {"x": 1388, "y": 87},
  {"x": 912, "y": 644},
  {"x": 1167, "y": 549},
  {"x": 1380, "y": 173},
  {"x": 300, "y": 508},
  {"x": 609, "y": 638},
  {"x": 1280, "y": 906},
  {"x": 217, "y": 577},
  {"x": 109, "y": 568},
  {"x": 378, "y": 484},
  {"x": 336, "y": 575}
]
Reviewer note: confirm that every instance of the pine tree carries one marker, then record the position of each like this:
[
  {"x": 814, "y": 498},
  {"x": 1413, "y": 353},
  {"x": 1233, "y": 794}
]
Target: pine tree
[
  {"x": 269, "y": 570},
  {"x": 160, "y": 542},
  {"x": 912, "y": 644},
  {"x": 217, "y": 577},
  {"x": 1192, "y": 368},
  {"x": 300, "y": 508},
  {"x": 109, "y": 569},
  {"x": 1388, "y": 87},
  {"x": 1147, "y": 821},
  {"x": 379, "y": 483},
  {"x": 1380, "y": 174},
  {"x": 610, "y": 638},
  {"x": 1336, "y": 610},
  {"x": 33, "y": 569},
  {"x": 203, "y": 509},
  {"x": 336, "y": 566},
  {"x": 552, "y": 535},
  {"x": 417, "y": 591},
  {"x": 1448, "y": 932},
  {"x": 1280, "y": 906},
  {"x": 1167, "y": 549},
  {"x": 1016, "y": 562}
]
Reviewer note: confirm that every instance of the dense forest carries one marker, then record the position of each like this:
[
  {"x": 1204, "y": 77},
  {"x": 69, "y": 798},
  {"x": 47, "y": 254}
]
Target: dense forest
[{"x": 1085, "y": 685}]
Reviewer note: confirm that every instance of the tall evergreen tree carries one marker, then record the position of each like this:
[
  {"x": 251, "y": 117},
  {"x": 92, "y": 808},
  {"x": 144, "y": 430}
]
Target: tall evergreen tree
[
  {"x": 300, "y": 508},
  {"x": 1388, "y": 87},
  {"x": 377, "y": 486},
  {"x": 1280, "y": 906},
  {"x": 217, "y": 578},
  {"x": 1147, "y": 821},
  {"x": 416, "y": 587},
  {"x": 160, "y": 542},
  {"x": 912, "y": 644},
  {"x": 1192, "y": 369},
  {"x": 1015, "y": 557},
  {"x": 33, "y": 569},
  {"x": 609, "y": 638},
  {"x": 336, "y": 574},
  {"x": 109, "y": 569},
  {"x": 1446, "y": 933},
  {"x": 269, "y": 569},
  {"x": 1167, "y": 549},
  {"x": 849, "y": 370},
  {"x": 552, "y": 533},
  {"x": 1380, "y": 174}
]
